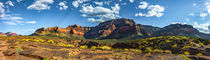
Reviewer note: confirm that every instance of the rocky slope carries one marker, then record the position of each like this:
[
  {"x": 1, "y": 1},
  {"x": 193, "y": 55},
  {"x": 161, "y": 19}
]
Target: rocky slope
[
  {"x": 123, "y": 29},
  {"x": 118, "y": 28},
  {"x": 72, "y": 29},
  {"x": 149, "y": 29},
  {"x": 180, "y": 30}
]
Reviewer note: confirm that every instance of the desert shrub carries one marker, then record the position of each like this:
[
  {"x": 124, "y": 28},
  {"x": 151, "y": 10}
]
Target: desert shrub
[
  {"x": 191, "y": 43},
  {"x": 84, "y": 47},
  {"x": 201, "y": 44},
  {"x": 167, "y": 51},
  {"x": 51, "y": 41},
  {"x": 184, "y": 37},
  {"x": 46, "y": 59},
  {"x": 93, "y": 47},
  {"x": 186, "y": 58},
  {"x": 36, "y": 40},
  {"x": 141, "y": 47},
  {"x": 126, "y": 49},
  {"x": 148, "y": 50},
  {"x": 41, "y": 40},
  {"x": 117, "y": 49},
  {"x": 158, "y": 51},
  {"x": 199, "y": 54},
  {"x": 174, "y": 46},
  {"x": 69, "y": 45},
  {"x": 187, "y": 53},
  {"x": 26, "y": 40},
  {"x": 105, "y": 48},
  {"x": 167, "y": 41},
  {"x": 135, "y": 50},
  {"x": 19, "y": 49}
]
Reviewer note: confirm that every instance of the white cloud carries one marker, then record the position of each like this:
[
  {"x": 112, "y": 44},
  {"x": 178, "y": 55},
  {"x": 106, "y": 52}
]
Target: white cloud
[
  {"x": 131, "y": 1},
  {"x": 108, "y": 2},
  {"x": 191, "y": 14},
  {"x": 30, "y": 22},
  {"x": 154, "y": 10},
  {"x": 187, "y": 19},
  {"x": 176, "y": 23},
  {"x": 9, "y": 17},
  {"x": 202, "y": 27},
  {"x": 78, "y": 2},
  {"x": 2, "y": 11},
  {"x": 19, "y": 0},
  {"x": 100, "y": 14},
  {"x": 203, "y": 14},
  {"x": 99, "y": 3},
  {"x": 12, "y": 18},
  {"x": 40, "y": 5},
  {"x": 143, "y": 5},
  {"x": 10, "y": 3},
  {"x": 63, "y": 5},
  {"x": 207, "y": 7},
  {"x": 91, "y": 19},
  {"x": 116, "y": 8},
  {"x": 123, "y": 3},
  {"x": 10, "y": 23},
  {"x": 4, "y": 16},
  {"x": 194, "y": 4},
  {"x": 139, "y": 14}
]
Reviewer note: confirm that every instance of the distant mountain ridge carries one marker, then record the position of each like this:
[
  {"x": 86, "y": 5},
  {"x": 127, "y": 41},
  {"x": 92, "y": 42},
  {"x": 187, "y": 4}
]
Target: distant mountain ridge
[
  {"x": 123, "y": 29},
  {"x": 9, "y": 34}
]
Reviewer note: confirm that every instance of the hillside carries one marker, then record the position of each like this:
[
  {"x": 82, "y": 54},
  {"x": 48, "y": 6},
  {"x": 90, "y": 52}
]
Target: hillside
[{"x": 120, "y": 29}]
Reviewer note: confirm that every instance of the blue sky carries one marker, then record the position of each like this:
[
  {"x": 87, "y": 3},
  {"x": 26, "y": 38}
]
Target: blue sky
[{"x": 25, "y": 16}]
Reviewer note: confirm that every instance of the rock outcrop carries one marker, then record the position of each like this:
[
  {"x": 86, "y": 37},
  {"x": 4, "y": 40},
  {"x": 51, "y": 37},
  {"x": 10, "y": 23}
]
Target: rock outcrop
[
  {"x": 72, "y": 29},
  {"x": 116, "y": 29}
]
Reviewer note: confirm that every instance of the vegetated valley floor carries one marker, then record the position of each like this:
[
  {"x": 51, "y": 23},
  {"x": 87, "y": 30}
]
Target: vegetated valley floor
[{"x": 53, "y": 48}]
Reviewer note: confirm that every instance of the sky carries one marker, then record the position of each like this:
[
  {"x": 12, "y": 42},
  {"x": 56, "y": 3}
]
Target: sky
[{"x": 25, "y": 16}]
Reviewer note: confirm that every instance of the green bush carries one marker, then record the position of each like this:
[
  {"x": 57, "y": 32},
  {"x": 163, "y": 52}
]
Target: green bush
[
  {"x": 141, "y": 47},
  {"x": 167, "y": 51},
  {"x": 51, "y": 41},
  {"x": 126, "y": 49},
  {"x": 187, "y": 53},
  {"x": 174, "y": 46},
  {"x": 148, "y": 50},
  {"x": 93, "y": 47},
  {"x": 105, "y": 48},
  {"x": 168, "y": 41},
  {"x": 158, "y": 51},
  {"x": 135, "y": 50},
  {"x": 199, "y": 54},
  {"x": 83, "y": 47},
  {"x": 69, "y": 45},
  {"x": 46, "y": 59},
  {"x": 186, "y": 58},
  {"x": 201, "y": 44}
]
